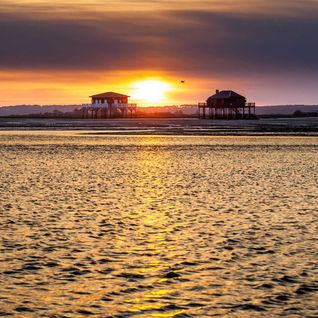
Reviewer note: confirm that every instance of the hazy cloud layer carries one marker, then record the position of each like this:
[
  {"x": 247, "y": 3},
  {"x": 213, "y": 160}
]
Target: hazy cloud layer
[
  {"x": 280, "y": 7},
  {"x": 194, "y": 41}
]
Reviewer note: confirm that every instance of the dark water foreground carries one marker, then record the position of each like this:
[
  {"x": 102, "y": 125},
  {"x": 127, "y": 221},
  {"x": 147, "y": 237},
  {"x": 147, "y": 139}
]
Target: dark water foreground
[{"x": 157, "y": 226}]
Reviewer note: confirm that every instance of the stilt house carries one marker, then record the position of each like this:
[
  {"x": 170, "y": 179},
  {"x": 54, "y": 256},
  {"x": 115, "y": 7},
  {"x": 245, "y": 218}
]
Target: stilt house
[
  {"x": 109, "y": 105},
  {"x": 226, "y": 105}
]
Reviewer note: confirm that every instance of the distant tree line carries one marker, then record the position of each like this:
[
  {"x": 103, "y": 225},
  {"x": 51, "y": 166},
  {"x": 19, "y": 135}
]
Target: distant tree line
[{"x": 77, "y": 113}]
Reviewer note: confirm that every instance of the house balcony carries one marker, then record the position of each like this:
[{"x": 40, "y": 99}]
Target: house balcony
[
  {"x": 204, "y": 105},
  {"x": 227, "y": 111},
  {"x": 107, "y": 106}
]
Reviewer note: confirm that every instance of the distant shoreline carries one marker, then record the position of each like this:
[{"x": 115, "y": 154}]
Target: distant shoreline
[{"x": 170, "y": 126}]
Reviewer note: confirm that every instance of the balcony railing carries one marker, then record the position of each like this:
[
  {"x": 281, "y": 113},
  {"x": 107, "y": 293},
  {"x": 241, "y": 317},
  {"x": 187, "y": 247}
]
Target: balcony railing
[
  {"x": 221, "y": 106},
  {"x": 106, "y": 105}
]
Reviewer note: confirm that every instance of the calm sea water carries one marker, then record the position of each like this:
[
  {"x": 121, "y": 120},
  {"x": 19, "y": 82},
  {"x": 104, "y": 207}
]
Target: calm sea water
[{"x": 158, "y": 226}]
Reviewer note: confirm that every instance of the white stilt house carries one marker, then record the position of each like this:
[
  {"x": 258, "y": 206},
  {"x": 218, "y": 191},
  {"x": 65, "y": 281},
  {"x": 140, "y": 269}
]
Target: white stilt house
[{"x": 109, "y": 105}]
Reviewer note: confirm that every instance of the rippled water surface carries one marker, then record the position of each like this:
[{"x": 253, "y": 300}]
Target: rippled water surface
[{"x": 157, "y": 226}]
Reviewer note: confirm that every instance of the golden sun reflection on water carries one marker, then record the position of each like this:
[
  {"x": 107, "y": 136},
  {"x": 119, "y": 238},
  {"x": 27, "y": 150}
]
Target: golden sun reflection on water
[{"x": 152, "y": 213}]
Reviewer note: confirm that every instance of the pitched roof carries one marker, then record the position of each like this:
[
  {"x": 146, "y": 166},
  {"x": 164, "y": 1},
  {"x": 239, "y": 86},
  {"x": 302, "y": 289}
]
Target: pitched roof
[
  {"x": 225, "y": 95},
  {"x": 109, "y": 95}
]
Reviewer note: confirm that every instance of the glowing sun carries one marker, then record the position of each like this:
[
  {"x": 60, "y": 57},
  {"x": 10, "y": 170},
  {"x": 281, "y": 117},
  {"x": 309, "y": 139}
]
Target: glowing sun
[{"x": 150, "y": 91}]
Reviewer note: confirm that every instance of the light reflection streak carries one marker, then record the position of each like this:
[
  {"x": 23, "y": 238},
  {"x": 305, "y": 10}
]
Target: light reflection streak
[{"x": 152, "y": 215}]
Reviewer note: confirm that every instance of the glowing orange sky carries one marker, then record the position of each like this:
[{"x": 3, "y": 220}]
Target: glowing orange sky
[
  {"x": 61, "y": 53},
  {"x": 39, "y": 88}
]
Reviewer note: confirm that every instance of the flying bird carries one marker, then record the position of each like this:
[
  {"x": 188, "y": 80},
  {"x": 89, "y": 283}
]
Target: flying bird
[{"x": 182, "y": 82}]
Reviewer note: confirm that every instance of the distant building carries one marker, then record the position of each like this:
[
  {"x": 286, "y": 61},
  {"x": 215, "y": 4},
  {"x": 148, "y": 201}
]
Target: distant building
[
  {"x": 226, "y": 105},
  {"x": 109, "y": 105}
]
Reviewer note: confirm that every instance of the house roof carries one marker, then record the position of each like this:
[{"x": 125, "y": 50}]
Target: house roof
[
  {"x": 225, "y": 95},
  {"x": 109, "y": 95}
]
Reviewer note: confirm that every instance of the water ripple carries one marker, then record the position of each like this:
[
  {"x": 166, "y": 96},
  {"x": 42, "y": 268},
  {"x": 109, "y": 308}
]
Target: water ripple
[{"x": 152, "y": 226}]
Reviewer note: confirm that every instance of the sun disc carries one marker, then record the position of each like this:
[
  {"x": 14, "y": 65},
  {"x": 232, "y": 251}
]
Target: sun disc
[{"x": 150, "y": 91}]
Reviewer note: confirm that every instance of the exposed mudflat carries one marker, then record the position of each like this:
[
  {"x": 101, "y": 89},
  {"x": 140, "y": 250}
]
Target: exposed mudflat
[{"x": 173, "y": 126}]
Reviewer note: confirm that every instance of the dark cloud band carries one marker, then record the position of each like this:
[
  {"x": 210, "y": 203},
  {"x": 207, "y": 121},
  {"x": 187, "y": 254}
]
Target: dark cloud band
[{"x": 191, "y": 41}]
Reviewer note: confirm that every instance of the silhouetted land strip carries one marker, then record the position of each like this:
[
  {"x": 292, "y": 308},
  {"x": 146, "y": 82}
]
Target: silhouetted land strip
[{"x": 278, "y": 126}]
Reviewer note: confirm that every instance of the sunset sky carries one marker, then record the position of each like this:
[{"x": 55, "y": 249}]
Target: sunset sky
[{"x": 60, "y": 52}]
